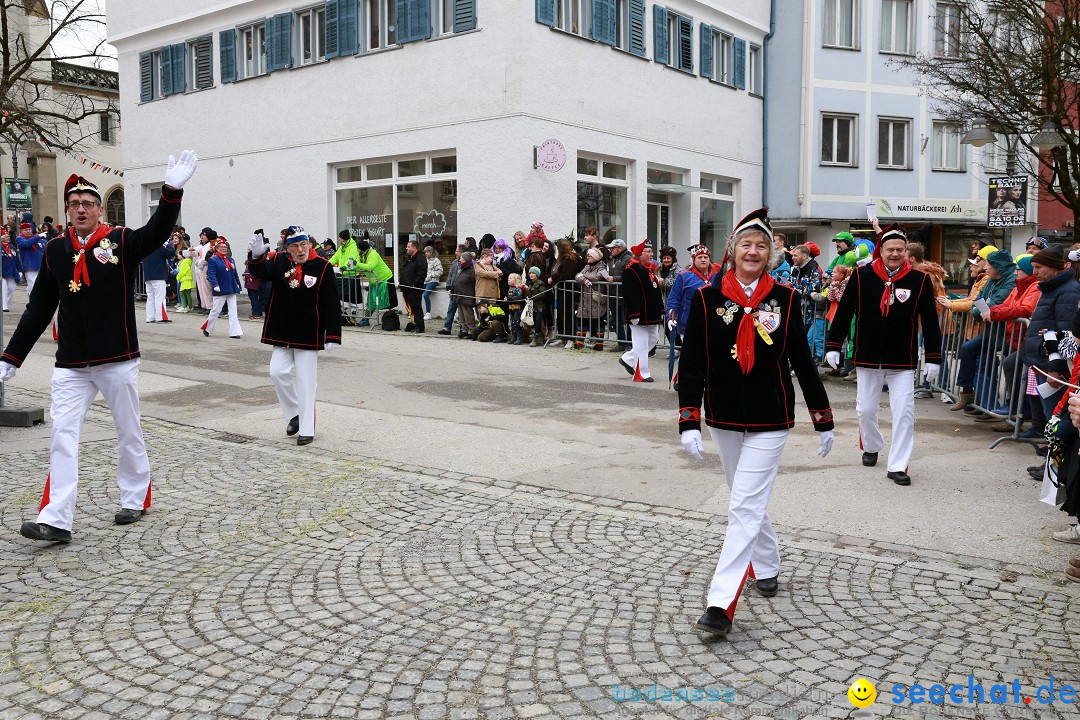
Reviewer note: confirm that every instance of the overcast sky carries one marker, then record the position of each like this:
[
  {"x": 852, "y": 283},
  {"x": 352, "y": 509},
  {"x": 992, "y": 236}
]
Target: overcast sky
[{"x": 85, "y": 38}]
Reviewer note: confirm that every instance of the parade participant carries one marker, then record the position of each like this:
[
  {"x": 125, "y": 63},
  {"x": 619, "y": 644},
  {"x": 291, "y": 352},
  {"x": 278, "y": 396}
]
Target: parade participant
[
  {"x": 31, "y": 249},
  {"x": 87, "y": 273},
  {"x": 202, "y": 253},
  {"x": 702, "y": 271},
  {"x": 888, "y": 298},
  {"x": 644, "y": 310},
  {"x": 743, "y": 337},
  {"x": 302, "y": 317},
  {"x": 155, "y": 271},
  {"x": 413, "y": 272},
  {"x": 226, "y": 285},
  {"x": 11, "y": 268}
]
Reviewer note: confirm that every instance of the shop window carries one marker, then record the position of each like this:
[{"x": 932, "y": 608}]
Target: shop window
[
  {"x": 409, "y": 168},
  {"x": 614, "y": 171},
  {"x": 602, "y": 203},
  {"x": 350, "y": 174},
  {"x": 588, "y": 166},
  {"x": 442, "y": 165},
  {"x": 380, "y": 171}
]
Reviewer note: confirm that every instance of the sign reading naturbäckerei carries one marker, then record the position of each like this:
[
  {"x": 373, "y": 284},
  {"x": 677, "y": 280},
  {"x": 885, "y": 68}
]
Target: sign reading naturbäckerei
[{"x": 1007, "y": 202}]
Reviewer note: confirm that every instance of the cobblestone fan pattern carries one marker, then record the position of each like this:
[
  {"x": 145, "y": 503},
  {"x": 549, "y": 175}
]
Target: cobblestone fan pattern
[{"x": 275, "y": 582}]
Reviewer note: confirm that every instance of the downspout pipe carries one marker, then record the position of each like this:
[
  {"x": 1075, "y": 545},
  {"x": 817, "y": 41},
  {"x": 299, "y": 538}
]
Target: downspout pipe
[{"x": 765, "y": 105}]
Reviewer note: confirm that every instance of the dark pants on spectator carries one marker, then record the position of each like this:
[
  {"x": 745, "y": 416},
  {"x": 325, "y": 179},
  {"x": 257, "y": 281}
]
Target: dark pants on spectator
[
  {"x": 1016, "y": 378},
  {"x": 451, "y": 311},
  {"x": 255, "y": 297},
  {"x": 413, "y": 300},
  {"x": 615, "y": 320}
]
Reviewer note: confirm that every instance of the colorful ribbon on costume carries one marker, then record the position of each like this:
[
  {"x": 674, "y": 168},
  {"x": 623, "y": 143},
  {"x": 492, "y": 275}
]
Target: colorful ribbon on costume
[
  {"x": 82, "y": 273},
  {"x": 744, "y": 336}
]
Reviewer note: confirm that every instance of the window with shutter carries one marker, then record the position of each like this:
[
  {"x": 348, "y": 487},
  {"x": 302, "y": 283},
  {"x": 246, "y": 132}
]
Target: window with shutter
[
  {"x": 637, "y": 27},
  {"x": 179, "y": 67},
  {"x": 311, "y": 35},
  {"x": 166, "y": 70},
  {"x": 200, "y": 53},
  {"x": 464, "y": 15},
  {"x": 545, "y": 12},
  {"x": 706, "y": 50},
  {"x": 686, "y": 44},
  {"x": 381, "y": 23},
  {"x": 603, "y": 21},
  {"x": 227, "y": 44},
  {"x": 279, "y": 42},
  {"x": 740, "y": 64},
  {"x": 661, "y": 51},
  {"x": 146, "y": 77},
  {"x": 348, "y": 27},
  {"x": 330, "y": 11}
]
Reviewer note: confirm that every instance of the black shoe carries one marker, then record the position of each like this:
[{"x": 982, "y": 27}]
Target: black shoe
[
  {"x": 869, "y": 459},
  {"x": 898, "y": 477},
  {"x": 648, "y": 379},
  {"x": 126, "y": 516},
  {"x": 164, "y": 320},
  {"x": 293, "y": 427},
  {"x": 499, "y": 339},
  {"x": 205, "y": 333},
  {"x": 1041, "y": 450},
  {"x": 714, "y": 621},
  {"x": 409, "y": 327},
  {"x": 444, "y": 331},
  {"x": 653, "y": 351},
  {"x": 236, "y": 337},
  {"x": 148, "y": 322},
  {"x": 41, "y": 531},
  {"x": 767, "y": 587},
  {"x": 629, "y": 369},
  {"x": 305, "y": 440},
  {"x": 462, "y": 335}
]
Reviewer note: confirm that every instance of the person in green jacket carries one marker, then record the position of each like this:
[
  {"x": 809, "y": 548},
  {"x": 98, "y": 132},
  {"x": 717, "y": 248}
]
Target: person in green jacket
[
  {"x": 185, "y": 282},
  {"x": 382, "y": 293},
  {"x": 845, "y": 242},
  {"x": 344, "y": 262}
]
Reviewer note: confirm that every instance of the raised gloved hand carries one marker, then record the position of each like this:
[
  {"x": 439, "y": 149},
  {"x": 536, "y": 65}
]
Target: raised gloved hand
[
  {"x": 178, "y": 172},
  {"x": 833, "y": 358},
  {"x": 931, "y": 372},
  {"x": 1074, "y": 256},
  {"x": 258, "y": 246},
  {"x": 217, "y": 288},
  {"x": 691, "y": 442},
  {"x": 7, "y": 371},
  {"x": 826, "y": 438},
  {"x": 331, "y": 346}
]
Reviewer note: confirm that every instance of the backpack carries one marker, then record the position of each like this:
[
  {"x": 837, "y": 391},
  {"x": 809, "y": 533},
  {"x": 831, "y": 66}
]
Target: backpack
[{"x": 391, "y": 321}]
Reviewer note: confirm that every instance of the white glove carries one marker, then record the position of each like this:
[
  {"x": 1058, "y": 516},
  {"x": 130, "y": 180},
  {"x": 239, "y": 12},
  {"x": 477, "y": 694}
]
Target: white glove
[
  {"x": 7, "y": 371},
  {"x": 826, "y": 438},
  {"x": 635, "y": 321},
  {"x": 331, "y": 346},
  {"x": 833, "y": 358},
  {"x": 258, "y": 246},
  {"x": 217, "y": 289},
  {"x": 931, "y": 372},
  {"x": 178, "y": 172},
  {"x": 691, "y": 442},
  {"x": 1074, "y": 256}
]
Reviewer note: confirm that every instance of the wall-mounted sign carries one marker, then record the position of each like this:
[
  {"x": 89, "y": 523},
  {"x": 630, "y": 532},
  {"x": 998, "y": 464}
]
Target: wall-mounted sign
[
  {"x": 930, "y": 209},
  {"x": 430, "y": 224},
  {"x": 550, "y": 155},
  {"x": 1007, "y": 204}
]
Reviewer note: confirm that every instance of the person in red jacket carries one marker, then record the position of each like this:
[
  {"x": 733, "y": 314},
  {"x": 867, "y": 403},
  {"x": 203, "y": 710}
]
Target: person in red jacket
[
  {"x": 1020, "y": 303},
  {"x": 86, "y": 273}
]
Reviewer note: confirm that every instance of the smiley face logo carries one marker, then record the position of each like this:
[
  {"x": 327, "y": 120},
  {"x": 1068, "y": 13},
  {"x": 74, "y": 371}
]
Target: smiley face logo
[{"x": 862, "y": 693}]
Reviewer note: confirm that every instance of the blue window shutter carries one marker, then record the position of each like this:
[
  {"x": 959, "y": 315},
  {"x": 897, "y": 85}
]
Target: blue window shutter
[
  {"x": 603, "y": 21},
  {"x": 279, "y": 42},
  {"x": 637, "y": 27},
  {"x": 348, "y": 27},
  {"x": 330, "y": 13},
  {"x": 706, "y": 51},
  {"x": 179, "y": 55},
  {"x": 405, "y": 21},
  {"x": 422, "y": 18},
  {"x": 464, "y": 15},
  {"x": 270, "y": 32},
  {"x": 227, "y": 41},
  {"x": 146, "y": 79},
  {"x": 545, "y": 12},
  {"x": 686, "y": 44},
  {"x": 740, "y": 64},
  {"x": 661, "y": 51},
  {"x": 166, "y": 73}
]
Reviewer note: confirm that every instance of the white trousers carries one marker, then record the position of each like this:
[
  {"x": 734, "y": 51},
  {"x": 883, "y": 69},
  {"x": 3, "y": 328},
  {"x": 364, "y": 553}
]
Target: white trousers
[
  {"x": 31, "y": 278},
  {"x": 215, "y": 311},
  {"x": 9, "y": 291},
  {"x": 642, "y": 340},
  {"x": 750, "y": 464},
  {"x": 296, "y": 397},
  {"x": 73, "y": 389},
  {"x": 901, "y": 400},
  {"x": 155, "y": 300}
]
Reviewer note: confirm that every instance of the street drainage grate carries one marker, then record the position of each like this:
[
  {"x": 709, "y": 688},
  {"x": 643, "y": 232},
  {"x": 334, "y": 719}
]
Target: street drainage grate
[{"x": 234, "y": 438}]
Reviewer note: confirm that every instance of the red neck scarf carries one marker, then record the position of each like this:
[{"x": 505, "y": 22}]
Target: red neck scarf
[
  {"x": 226, "y": 260},
  {"x": 82, "y": 275},
  {"x": 651, "y": 269},
  {"x": 10, "y": 251},
  {"x": 713, "y": 269},
  {"x": 881, "y": 272},
  {"x": 298, "y": 268},
  {"x": 744, "y": 337}
]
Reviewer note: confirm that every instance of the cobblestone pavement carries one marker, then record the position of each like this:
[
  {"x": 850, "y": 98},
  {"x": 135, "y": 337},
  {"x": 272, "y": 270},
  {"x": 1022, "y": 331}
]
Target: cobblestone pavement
[{"x": 270, "y": 582}]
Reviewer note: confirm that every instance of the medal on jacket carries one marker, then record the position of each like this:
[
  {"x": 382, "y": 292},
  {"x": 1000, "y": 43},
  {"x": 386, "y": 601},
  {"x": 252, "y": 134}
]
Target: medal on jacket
[
  {"x": 293, "y": 281},
  {"x": 762, "y": 332}
]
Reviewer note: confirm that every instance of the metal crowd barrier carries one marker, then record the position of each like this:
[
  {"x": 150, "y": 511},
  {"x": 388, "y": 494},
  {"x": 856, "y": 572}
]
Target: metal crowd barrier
[
  {"x": 608, "y": 329},
  {"x": 359, "y": 302},
  {"x": 980, "y": 349}
]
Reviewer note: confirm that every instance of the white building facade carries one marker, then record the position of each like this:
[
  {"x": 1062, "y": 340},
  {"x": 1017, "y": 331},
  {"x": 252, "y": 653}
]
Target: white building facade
[
  {"x": 441, "y": 119},
  {"x": 847, "y": 127}
]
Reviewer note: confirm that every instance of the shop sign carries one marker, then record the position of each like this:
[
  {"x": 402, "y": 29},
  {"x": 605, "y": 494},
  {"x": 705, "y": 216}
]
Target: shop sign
[
  {"x": 550, "y": 155},
  {"x": 430, "y": 224},
  {"x": 17, "y": 193},
  {"x": 374, "y": 225},
  {"x": 923, "y": 209},
  {"x": 1006, "y": 205}
]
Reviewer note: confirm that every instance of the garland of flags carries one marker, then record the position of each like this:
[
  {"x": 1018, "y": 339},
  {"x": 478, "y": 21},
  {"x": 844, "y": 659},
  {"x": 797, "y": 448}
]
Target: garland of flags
[{"x": 83, "y": 159}]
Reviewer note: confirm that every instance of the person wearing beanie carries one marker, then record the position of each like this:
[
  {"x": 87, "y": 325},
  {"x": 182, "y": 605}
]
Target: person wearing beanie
[
  {"x": 225, "y": 284},
  {"x": 12, "y": 269},
  {"x": 888, "y": 300},
  {"x": 85, "y": 279},
  {"x": 302, "y": 318},
  {"x": 982, "y": 390},
  {"x": 744, "y": 336},
  {"x": 539, "y": 296},
  {"x": 345, "y": 261},
  {"x": 1020, "y": 303},
  {"x": 200, "y": 254},
  {"x": 644, "y": 310},
  {"x": 845, "y": 242}
]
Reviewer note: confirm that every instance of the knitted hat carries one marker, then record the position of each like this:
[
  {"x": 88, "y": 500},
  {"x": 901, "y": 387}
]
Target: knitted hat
[
  {"x": 1051, "y": 257},
  {"x": 1023, "y": 262},
  {"x": 209, "y": 233},
  {"x": 641, "y": 247},
  {"x": 296, "y": 234},
  {"x": 984, "y": 252},
  {"x": 813, "y": 248},
  {"x": 593, "y": 253},
  {"x": 344, "y": 235},
  {"x": 534, "y": 270},
  {"x": 79, "y": 184},
  {"x": 698, "y": 249},
  {"x": 1039, "y": 242}
]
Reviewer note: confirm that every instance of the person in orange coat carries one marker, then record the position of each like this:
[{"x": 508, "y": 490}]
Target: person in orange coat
[{"x": 1020, "y": 303}]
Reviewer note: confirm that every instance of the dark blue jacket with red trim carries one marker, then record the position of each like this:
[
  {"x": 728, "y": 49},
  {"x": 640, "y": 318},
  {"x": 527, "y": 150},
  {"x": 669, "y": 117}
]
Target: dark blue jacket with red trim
[
  {"x": 764, "y": 399},
  {"x": 307, "y": 316},
  {"x": 890, "y": 341},
  {"x": 642, "y": 300},
  {"x": 96, "y": 322}
]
